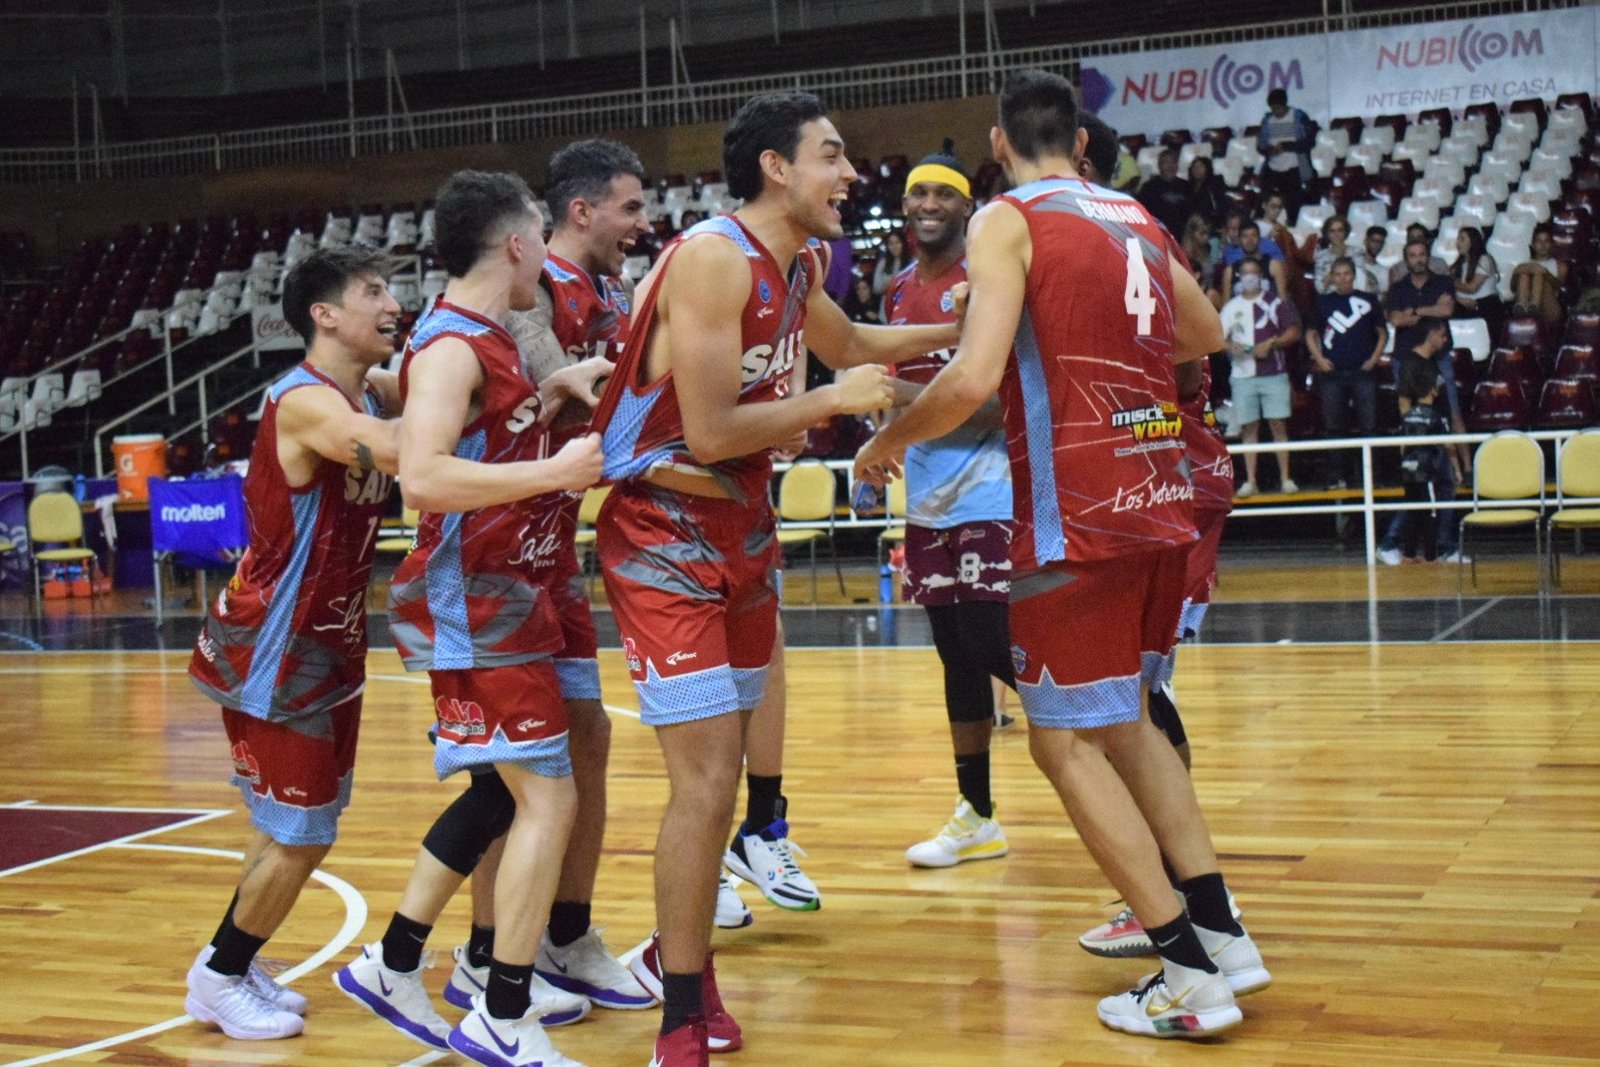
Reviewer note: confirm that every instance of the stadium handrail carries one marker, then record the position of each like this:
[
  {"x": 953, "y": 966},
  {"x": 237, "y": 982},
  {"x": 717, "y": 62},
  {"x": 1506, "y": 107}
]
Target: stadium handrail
[{"x": 845, "y": 88}]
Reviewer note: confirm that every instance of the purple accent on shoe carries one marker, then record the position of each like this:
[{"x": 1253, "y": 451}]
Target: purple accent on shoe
[
  {"x": 777, "y": 831},
  {"x": 477, "y": 1053},
  {"x": 384, "y": 986},
  {"x": 383, "y": 1009},
  {"x": 561, "y": 1018},
  {"x": 594, "y": 993}
]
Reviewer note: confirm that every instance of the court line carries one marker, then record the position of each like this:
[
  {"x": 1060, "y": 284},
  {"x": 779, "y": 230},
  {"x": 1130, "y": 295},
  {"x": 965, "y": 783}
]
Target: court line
[
  {"x": 355, "y": 917},
  {"x": 204, "y": 816},
  {"x": 1474, "y": 614}
]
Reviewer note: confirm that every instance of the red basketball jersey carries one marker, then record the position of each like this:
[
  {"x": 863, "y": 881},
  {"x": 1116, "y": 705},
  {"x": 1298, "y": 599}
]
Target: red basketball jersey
[
  {"x": 641, "y": 425},
  {"x": 288, "y": 636},
  {"x": 1210, "y": 465},
  {"x": 912, "y": 300},
  {"x": 464, "y": 597},
  {"x": 1091, "y": 409}
]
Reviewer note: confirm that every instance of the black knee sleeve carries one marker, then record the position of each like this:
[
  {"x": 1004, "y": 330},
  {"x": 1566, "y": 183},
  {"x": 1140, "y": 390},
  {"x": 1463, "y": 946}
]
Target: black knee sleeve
[
  {"x": 967, "y": 696},
  {"x": 464, "y": 831},
  {"x": 1164, "y": 713},
  {"x": 986, "y": 633}
]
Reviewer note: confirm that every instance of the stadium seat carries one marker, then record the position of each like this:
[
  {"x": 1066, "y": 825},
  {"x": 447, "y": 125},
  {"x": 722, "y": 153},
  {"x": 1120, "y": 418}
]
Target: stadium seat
[
  {"x": 1415, "y": 154},
  {"x": 1565, "y": 403},
  {"x": 1366, "y": 213},
  {"x": 1440, "y": 191},
  {"x": 1577, "y": 362},
  {"x": 1540, "y": 183},
  {"x": 1190, "y": 152},
  {"x": 1438, "y": 116},
  {"x": 1415, "y": 209},
  {"x": 1175, "y": 138},
  {"x": 1312, "y": 216},
  {"x": 1244, "y": 150},
  {"x": 807, "y": 492},
  {"x": 1520, "y": 109},
  {"x": 1475, "y": 125},
  {"x": 1381, "y": 138},
  {"x": 1147, "y": 159},
  {"x": 1583, "y": 328},
  {"x": 1369, "y": 157},
  {"x": 1497, "y": 405},
  {"x": 1493, "y": 186},
  {"x": 1452, "y": 172},
  {"x": 1324, "y": 161},
  {"x": 1568, "y": 119},
  {"x": 1532, "y": 203},
  {"x": 1460, "y": 148},
  {"x": 1555, "y": 161},
  {"x": 1470, "y": 336},
  {"x": 1475, "y": 210}
]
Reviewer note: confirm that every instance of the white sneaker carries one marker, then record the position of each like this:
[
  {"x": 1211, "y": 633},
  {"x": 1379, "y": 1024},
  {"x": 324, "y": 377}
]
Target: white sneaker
[
  {"x": 1390, "y": 557},
  {"x": 555, "y": 1007},
  {"x": 396, "y": 997},
  {"x": 1245, "y": 491},
  {"x": 586, "y": 968},
  {"x": 1173, "y": 1002},
  {"x": 1288, "y": 486},
  {"x": 766, "y": 860},
  {"x": 1238, "y": 958},
  {"x": 265, "y": 986},
  {"x": 229, "y": 1003},
  {"x": 731, "y": 911},
  {"x": 506, "y": 1042},
  {"x": 967, "y": 836},
  {"x": 1457, "y": 557}
]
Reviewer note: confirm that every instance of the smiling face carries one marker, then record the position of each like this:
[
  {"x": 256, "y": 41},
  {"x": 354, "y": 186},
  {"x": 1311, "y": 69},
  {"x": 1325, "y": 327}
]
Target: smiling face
[
  {"x": 362, "y": 320},
  {"x": 615, "y": 223},
  {"x": 817, "y": 181},
  {"x": 938, "y": 214}
]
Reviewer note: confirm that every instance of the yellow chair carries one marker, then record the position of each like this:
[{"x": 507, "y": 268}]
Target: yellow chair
[
  {"x": 403, "y": 538},
  {"x": 56, "y": 519},
  {"x": 808, "y": 492},
  {"x": 588, "y": 515},
  {"x": 1508, "y": 466},
  {"x": 894, "y": 513},
  {"x": 1577, "y": 475}
]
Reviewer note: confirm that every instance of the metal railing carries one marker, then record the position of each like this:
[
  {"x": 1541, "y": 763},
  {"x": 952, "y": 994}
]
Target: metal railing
[
  {"x": 845, "y": 88},
  {"x": 1368, "y": 507}
]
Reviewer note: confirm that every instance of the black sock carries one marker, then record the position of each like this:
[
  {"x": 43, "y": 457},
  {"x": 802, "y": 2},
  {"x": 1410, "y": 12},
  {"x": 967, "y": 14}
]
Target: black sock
[
  {"x": 507, "y": 996},
  {"x": 1177, "y": 941},
  {"x": 1207, "y": 901},
  {"x": 762, "y": 794},
  {"x": 235, "y": 950},
  {"x": 480, "y": 945},
  {"x": 569, "y": 920},
  {"x": 402, "y": 943},
  {"x": 680, "y": 999},
  {"x": 972, "y": 776},
  {"x": 227, "y": 919}
]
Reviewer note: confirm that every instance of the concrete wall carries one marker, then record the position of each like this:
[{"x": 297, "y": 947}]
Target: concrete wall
[{"x": 58, "y": 217}]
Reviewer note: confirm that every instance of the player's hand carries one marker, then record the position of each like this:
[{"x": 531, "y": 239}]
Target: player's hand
[
  {"x": 959, "y": 292},
  {"x": 786, "y": 451},
  {"x": 578, "y": 464},
  {"x": 864, "y": 389},
  {"x": 580, "y": 382},
  {"x": 1322, "y": 366},
  {"x": 877, "y": 464}
]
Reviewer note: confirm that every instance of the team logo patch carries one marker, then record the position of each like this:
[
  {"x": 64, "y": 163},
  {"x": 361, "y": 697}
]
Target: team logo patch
[
  {"x": 1019, "y": 660},
  {"x": 245, "y": 765},
  {"x": 947, "y": 302},
  {"x": 631, "y": 651},
  {"x": 764, "y": 290},
  {"x": 572, "y": 303},
  {"x": 456, "y": 716}
]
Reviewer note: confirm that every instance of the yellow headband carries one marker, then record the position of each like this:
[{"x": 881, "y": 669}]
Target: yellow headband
[{"x": 938, "y": 172}]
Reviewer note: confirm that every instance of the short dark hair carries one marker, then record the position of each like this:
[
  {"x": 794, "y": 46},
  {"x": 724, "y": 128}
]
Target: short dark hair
[
  {"x": 1418, "y": 378},
  {"x": 1417, "y": 242},
  {"x": 1277, "y": 96},
  {"x": 1102, "y": 148},
  {"x": 1250, "y": 224},
  {"x": 1039, "y": 113},
  {"x": 321, "y": 278},
  {"x": 583, "y": 171},
  {"x": 1378, "y": 229},
  {"x": 471, "y": 209},
  {"x": 768, "y": 121},
  {"x": 1344, "y": 261}
]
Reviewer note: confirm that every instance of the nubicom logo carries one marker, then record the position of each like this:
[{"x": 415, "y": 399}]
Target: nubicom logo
[{"x": 1472, "y": 48}]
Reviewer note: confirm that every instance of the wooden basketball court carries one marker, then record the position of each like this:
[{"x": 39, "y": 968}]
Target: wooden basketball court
[{"x": 1410, "y": 829}]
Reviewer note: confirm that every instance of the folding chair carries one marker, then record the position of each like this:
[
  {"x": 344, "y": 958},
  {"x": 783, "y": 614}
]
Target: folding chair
[
  {"x": 55, "y": 519},
  {"x": 1577, "y": 475},
  {"x": 1508, "y": 466},
  {"x": 199, "y": 523},
  {"x": 807, "y": 493}
]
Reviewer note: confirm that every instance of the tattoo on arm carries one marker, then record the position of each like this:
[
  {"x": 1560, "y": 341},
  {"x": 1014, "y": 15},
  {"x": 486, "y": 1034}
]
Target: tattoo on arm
[{"x": 364, "y": 458}]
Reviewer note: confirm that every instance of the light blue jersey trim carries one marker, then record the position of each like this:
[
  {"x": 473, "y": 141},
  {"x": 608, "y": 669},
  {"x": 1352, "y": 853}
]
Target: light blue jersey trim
[
  {"x": 692, "y": 696},
  {"x": 272, "y": 640},
  {"x": 290, "y": 824},
  {"x": 442, "y": 321},
  {"x": 579, "y": 678},
  {"x": 1049, "y": 542},
  {"x": 548, "y": 757},
  {"x": 446, "y": 581},
  {"x": 1080, "y": 707},
  {"x": 293, "y": 380}
]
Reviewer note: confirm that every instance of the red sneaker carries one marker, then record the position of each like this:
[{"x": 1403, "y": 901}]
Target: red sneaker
[
  {"x": 684, "y": 1047},
  {"x": 723, "y": 1034}
]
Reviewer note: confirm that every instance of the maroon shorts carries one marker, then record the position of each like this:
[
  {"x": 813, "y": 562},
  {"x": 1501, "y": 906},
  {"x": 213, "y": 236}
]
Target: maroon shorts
[
  {"x": 692, "y": 582},
  {"x": 1087, "y": 636},
  {"x": 958, "y": 564},
  {"x": 295, "y": 775},
  {"x": 512, "y": 714}
]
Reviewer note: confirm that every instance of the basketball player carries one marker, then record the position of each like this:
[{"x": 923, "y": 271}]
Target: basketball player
[
  {"x": 958, "y": 516},
  {"x": 1099, "y": 159},
  {"x": 1081, "y": 309},
  {"x": 686, "y": 536},
  {"x": 284, "y": 648},
  {"x": 463, "y": 605}
]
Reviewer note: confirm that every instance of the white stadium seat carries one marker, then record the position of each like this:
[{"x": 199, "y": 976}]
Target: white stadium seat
[
  {"x": 1491, "y": 185},
  {"x": 1369, "y": 157},
  {"x": 1323, "y": 161},
  {"x": 1414, "y": 209},
  {"x": 1473, "y": 335},
  {"x": 1476, "y": 210},
  {"x": 1379, "y": 137},
  {"x": 1534, "y": 204},
  {"x": 1367, "y": 213},
  {"x": 1335, "y": 140},
  {"x": 1312, "y": 216},
  {"x": 1541, "y": 183},
  {"x": 1472, "y": 127},
  {"x": 1424, "y": 134},
  {"x": 1555, "y": 161}
]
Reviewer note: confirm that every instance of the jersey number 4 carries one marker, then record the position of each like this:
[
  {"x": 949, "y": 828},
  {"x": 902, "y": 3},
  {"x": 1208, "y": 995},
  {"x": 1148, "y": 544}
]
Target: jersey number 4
[{"x": 1137, "y": 298}]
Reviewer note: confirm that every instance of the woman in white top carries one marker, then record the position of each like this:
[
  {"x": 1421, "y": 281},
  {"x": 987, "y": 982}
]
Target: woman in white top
[
  {"x": 1477, "y": 281},
  {"x": 1536, "y": 284}
]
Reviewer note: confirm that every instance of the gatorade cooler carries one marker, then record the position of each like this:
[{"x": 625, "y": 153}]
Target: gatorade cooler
[{"x": 139, "y": 457}]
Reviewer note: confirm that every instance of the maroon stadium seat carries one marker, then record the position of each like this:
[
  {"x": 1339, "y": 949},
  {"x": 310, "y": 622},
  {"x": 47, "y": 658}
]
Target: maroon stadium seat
[
  {"x": 1534, "y": 107},
  {"x": 1176, "y": 138},
  {"x": 1518, "y": 366},
  {"x": 1565, "y": 404},
  {"x": 1497, "y": 405},
  {"x": 1490, "y": 113},
  {"x": 1577, "y": 362},
  {"x": 1583, "y": 328},
  {"x": 1582, "y": 101}
]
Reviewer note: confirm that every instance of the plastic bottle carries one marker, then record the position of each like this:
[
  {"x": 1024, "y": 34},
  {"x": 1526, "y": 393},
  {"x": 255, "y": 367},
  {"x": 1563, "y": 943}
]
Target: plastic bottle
[{"x": 80, "y": 489}]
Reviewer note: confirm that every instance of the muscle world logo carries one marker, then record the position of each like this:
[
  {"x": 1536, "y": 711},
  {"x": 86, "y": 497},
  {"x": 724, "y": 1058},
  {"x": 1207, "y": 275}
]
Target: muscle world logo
[{"x": 1471, "y": 48}]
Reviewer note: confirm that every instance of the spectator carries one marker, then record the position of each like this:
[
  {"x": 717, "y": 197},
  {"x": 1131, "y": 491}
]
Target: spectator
[
  {"x": 1536, "y": 284},
  {"x": 891, "y": 261},
  {"x": 1346, "y": 343},
  {"x": 1333, "y": 246},
  {"x": 1100, "y": 153},
  {"x": 1252, "y": 246},
  {"x": 1167, "y": 196},
  {"x": 1196, "y": 244},
  {"x": 1377, "y": 237},
  {"x": 689, "y": 217},
  {"x": 1477, "y": 280},
  {"x": 1420, "y": 465},
  {"x": 1418, "y": 232},
  {"x": 1211, "y": 200},
  {"x": 1285, "y": 141},
  {"x": 1423, "y": 365},
  {"x": 1258, "y": 325},
  {"x": 1274, "y": 223},
  {"x": 862, "y": 304}
]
